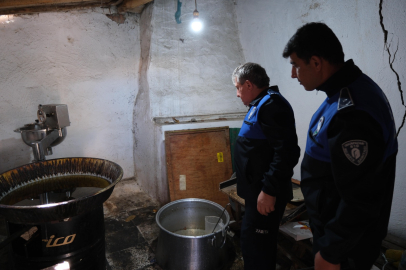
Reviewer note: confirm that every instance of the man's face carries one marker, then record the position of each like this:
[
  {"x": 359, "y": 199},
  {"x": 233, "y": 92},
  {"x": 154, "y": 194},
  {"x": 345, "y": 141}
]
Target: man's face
[
  {"x": 243, "y": 92},
  {"x": 306, "y": 74}
]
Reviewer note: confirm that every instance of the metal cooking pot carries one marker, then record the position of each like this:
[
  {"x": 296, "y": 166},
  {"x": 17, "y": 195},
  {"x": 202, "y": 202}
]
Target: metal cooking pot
[{"x": 183, "y": 252}]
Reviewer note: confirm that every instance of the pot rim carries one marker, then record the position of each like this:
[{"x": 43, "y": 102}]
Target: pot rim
[{"x": 191, "y": 200}]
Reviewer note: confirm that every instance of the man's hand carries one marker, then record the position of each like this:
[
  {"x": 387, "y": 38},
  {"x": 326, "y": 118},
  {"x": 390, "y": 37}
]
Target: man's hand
[
  {"x": 322, "y": 264},
  {"x": 266, "y": 203}
]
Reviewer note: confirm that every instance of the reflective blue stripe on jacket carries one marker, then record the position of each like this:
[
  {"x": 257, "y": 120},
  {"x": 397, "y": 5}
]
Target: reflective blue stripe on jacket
[
  {"x": 373, "y": 101},
  {"x": 251, "y": 128}
]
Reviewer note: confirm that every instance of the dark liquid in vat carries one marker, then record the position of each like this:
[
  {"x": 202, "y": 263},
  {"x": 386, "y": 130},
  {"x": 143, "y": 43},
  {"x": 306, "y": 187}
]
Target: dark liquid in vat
[{"x": 55, "y": 190}]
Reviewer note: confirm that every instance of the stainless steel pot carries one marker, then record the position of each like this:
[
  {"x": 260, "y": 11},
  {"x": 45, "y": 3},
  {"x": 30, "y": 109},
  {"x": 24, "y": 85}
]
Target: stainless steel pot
[{"x": 182, "y": 252}]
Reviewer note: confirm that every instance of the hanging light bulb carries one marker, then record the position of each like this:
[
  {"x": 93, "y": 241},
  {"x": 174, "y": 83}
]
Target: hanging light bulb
[{"x": 196, "y": 23}]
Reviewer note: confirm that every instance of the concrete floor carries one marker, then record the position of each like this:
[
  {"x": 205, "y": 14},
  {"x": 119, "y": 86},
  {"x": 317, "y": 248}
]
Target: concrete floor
[{"x": 130, "y": 228}]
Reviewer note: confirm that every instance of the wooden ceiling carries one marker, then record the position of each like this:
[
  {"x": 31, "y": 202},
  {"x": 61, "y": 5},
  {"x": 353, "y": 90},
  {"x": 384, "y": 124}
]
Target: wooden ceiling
[{"x": 8, "y": 7}]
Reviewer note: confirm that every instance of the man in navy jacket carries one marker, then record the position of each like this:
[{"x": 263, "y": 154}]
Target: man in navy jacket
[
  {"x": 266, "y": 152},
  {"x": 348, "y": 170}
]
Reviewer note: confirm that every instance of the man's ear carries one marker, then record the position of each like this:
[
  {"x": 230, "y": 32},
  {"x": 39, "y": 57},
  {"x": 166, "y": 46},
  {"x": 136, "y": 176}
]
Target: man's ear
[
  {"x": 316, "y": 62},
  {"x": 249, "y": 84}
]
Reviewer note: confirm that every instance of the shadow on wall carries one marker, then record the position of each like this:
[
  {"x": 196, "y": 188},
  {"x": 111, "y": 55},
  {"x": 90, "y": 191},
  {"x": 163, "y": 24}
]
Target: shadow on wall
[{"x": 14, "y": 153}]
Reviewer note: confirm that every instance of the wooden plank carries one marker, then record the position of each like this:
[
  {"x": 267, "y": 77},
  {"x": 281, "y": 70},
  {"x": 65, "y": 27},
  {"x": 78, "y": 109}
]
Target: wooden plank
[
  {"x": 129, "y": 4},
  {"x": 41, "y": 9},
  {"x": 194, "y": 168},
  {"x": 136, "y": 10},
  {"x": 389, "y": 245},
  {"x": 295, "y": 181},
  {"x": 133, "y": 6},
  {"x": 231, "y": 191},
  {"x": 37, "y": 6},
  {"x": 400, "y": 242},
  {"x": 33, "y": 3}
]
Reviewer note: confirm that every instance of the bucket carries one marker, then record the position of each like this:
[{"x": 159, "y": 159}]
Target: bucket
[{"x": 183, "y": 243}]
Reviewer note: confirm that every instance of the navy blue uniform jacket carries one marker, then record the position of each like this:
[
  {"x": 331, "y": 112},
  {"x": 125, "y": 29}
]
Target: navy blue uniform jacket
[
  {"x": 266, "y": 149},
  {"x": 348, "y": 170}
]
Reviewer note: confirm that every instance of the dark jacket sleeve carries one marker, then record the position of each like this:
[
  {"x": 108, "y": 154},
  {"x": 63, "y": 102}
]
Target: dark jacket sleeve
[
  {"x": 359, "y": 187},
  {"x": 278, "y": 124}
]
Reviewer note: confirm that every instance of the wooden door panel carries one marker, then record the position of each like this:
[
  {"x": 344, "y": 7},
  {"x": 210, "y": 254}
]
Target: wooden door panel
[{"x": 197, "y": 161}]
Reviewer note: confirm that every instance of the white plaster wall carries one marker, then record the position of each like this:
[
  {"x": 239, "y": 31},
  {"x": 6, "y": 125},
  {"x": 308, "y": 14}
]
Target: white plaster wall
[
  {"x": 266, "y": 26},
  {"x": 82, "y": 59},
  {"x": 187, "y": 74},
  {"x": 193, "y": 76},
  {"x": 394, "y": 20}
]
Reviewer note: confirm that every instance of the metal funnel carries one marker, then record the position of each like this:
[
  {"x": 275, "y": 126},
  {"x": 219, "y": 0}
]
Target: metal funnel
[{"x": 32, "y": 133}]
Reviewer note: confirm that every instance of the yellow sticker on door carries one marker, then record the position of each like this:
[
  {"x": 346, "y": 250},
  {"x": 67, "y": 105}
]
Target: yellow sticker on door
[{"x": 220, "y": 157}]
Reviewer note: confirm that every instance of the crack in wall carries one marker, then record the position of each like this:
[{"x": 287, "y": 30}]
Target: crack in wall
[{"x": 391, "y": 60}]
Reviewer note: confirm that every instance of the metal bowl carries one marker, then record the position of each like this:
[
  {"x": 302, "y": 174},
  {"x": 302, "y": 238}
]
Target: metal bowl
[
  {"x": 38, "y": 171},
  {"x": 36, "y": 132}
]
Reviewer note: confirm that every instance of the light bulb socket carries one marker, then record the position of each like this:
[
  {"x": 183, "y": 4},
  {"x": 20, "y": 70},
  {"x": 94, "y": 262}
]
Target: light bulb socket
[{"x": 195, "y": 14}]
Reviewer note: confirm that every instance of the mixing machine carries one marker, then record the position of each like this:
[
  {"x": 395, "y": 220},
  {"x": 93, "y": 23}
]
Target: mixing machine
[{"x": 47, "y": 131}]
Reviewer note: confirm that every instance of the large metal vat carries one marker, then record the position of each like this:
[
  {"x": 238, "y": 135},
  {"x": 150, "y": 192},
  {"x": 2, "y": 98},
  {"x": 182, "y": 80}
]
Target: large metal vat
[
  {"x": 183, "y": 252},
  {"x": 45, "y": 170},
  {"x": 65, "y": 230}
]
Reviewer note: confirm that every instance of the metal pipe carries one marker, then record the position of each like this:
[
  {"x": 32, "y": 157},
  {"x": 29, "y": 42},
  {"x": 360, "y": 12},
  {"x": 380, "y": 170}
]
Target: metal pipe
[{"x": 39, "y": 148}]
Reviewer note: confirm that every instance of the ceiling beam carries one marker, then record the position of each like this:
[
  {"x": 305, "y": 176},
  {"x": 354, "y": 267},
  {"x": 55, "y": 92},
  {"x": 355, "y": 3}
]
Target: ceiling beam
[
  {"x": 37, "y": 6},
  {"x": 36, "y": 3},
  {"x": 134, "y": 6}
]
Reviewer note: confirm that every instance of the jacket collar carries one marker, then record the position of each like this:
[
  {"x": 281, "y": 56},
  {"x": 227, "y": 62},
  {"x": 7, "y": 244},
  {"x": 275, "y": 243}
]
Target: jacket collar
[
  {"x": 342, "y": 78},
  {"x": 262, "y": 94}
]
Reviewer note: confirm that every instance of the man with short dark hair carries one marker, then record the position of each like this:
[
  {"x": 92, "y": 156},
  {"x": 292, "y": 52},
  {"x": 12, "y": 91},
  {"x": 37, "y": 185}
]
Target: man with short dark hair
[
  {"x": 348, "y": 170},
  {"x": 266, "y": 152}
]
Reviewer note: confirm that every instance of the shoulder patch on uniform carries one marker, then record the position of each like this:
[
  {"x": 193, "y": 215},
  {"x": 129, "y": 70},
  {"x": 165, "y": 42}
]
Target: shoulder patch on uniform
[
  {"x": 356, "y": 151},
  {"x": 345, "y": 99}
]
